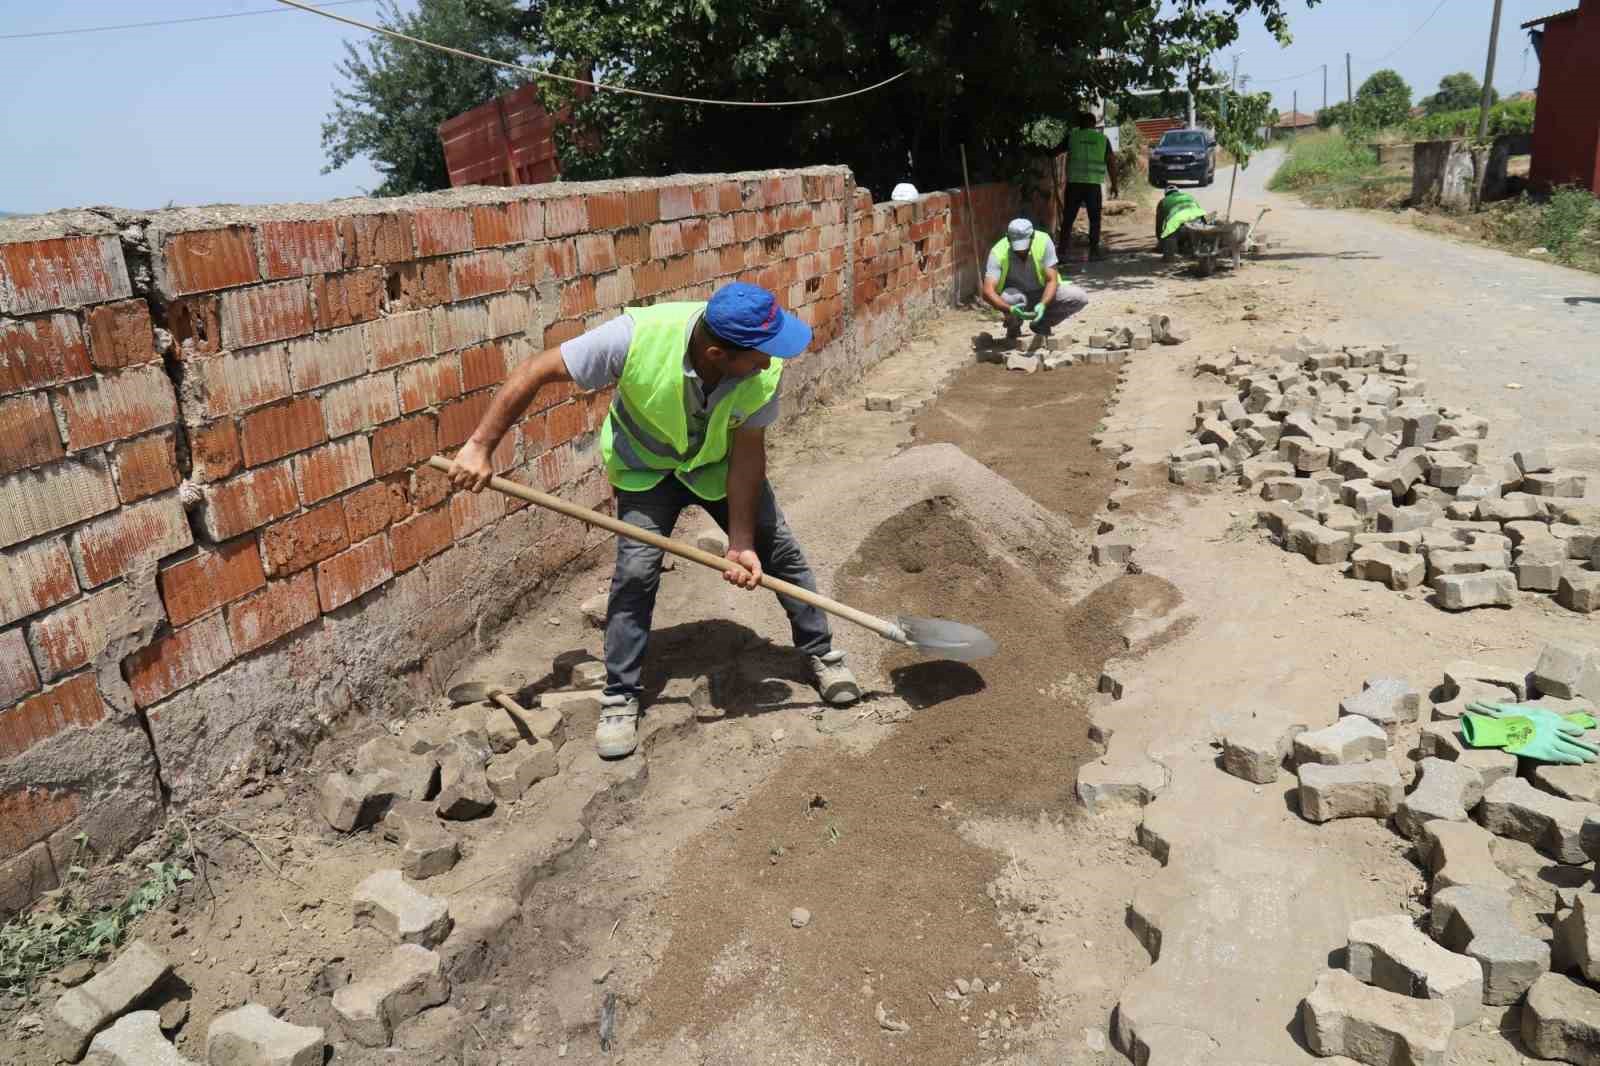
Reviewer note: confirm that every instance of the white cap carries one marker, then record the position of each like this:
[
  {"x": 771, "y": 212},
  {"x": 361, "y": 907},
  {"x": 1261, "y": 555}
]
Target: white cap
[
  {"x": 1020, "y": 234},
  {"x": 904, "y": 191}
]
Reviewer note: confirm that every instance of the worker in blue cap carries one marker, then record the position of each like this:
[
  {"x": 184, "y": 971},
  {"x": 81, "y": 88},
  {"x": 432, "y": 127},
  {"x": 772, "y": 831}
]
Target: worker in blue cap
[{"x": 696, "y": 388}]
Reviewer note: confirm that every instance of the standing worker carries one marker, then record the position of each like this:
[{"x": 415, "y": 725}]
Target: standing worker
[
  {"x": 1022, "y": 282},
  {"x": 1089, "y": 160},
  {"x": 697, "y": 387}
]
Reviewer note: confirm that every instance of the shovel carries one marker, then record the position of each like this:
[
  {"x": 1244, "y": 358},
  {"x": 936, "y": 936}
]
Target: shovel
[
  {"x": 477, "y": 691},
  {"x": 931, "y": 636}
]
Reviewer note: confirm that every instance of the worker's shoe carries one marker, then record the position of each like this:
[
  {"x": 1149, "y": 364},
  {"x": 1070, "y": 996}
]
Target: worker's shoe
[
  {"x": 1097, "y": 253},
  {"x": 618, "y": 732},
  {"x": 835, "y": 683}
]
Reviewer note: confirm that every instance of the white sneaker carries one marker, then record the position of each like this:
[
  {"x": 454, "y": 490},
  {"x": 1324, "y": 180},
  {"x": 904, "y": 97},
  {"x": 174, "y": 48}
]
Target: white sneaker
[
  {"x": 617, "y": 733},
  {"x": 835, "y": 683}
]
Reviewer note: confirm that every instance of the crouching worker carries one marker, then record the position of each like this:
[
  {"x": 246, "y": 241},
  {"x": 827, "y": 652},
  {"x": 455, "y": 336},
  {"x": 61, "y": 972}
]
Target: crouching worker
[
  {"x": 1176, "y": 209},
  {"x": 1022, "y": 282}
]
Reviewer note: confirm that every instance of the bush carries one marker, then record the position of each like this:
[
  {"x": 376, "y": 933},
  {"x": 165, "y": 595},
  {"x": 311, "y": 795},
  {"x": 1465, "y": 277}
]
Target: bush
[
  {"x": 1513, "y": 116},
  {"x": 1566, "y": 220},
  {"x": 1323, "y": 158}
]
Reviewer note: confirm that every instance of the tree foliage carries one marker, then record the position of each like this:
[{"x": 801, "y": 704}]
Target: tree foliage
[
  {"x": 1456, "y": 93},
  {"x": 1383, "y": 100},
  {"x": 396, "y": 94},
  {"x": 1240, "y": 121}
]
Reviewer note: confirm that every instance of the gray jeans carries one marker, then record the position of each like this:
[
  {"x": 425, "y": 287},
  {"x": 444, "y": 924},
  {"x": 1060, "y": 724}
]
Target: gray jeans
[
  {"x": 638, "y": 576},
  {"x": 1069, "y": 301}
]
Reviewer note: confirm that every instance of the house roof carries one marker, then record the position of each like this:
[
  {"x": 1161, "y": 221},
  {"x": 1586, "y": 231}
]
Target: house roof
[
  {"x": 1550, "y": 18},
  {"x": 1295, "y": 120},
  {"x": 1526, "y": 94}
]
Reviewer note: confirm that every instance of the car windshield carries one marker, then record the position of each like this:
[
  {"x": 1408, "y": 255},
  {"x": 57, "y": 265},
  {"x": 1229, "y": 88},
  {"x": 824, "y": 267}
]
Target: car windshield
[{"x": 1184, "y": 139}]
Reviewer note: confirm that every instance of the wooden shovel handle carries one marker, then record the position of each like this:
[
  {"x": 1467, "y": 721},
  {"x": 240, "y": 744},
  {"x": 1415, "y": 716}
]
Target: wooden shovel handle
[{"x": 880, "y": 626}]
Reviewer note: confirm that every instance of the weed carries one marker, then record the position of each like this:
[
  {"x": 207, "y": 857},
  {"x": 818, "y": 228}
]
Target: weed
[
  {"x": 1565, "y": 221},
  {"x": 1322, "y": 159}
]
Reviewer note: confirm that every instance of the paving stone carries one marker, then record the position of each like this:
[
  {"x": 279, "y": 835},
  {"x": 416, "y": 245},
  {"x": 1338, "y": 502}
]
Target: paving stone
[
  {"x": 1254, "y": 749},
  {"x": 463, "y": 781},
  {"x": 1408, "y": 543},
  {"x": 410, "y": 981},
  {"x": 1363, "y": 497},
  {"x": 355, "y": 801},
  {"x": 1323, "y": 546},
  {"x": 1568, "y": 669},
  {"x": 1448, "y": 470},
  {"x": 1542, "y": 570},
  {"x": 1027, "y": 363},
  {"x": 1305, "y": 455},
  {"x": 1569, "y": 483},
  {"x": 1388, "y": 701},
  {"x": 385, "y": 902},
  {"x": 1111, "y": 549},
  {"x": 1515, "y": 809},
  {"x": 1461, "y": 560},
  {"x": 1355, "y": 790},
  {"x": 1477, "y": 488},
  {"x": 1341, "y": 519},
  {"x": 427, "y": 849},
  {"x": 1444, "y": 790},
  {"x": 1579, "y": 591},
  {"x": 1582, "y": 541},
  {"x": 1457, "y": 853},
  {"x": 82, "y": 1012},
  {"x": 1391, "y": 953},
  {"x": 1376, "y": 563},
  {"x": 1119, "y": 779},
  {"x": 1575, "y": 944},
  {"x": 1199, "y": 472},
  {"x": 135, "y": 1040},
  {"x": 414, "y": 776},
  {"x": 422, "y": 735},
  {"x": 512, "y": 774},
  {"x": 1442, "y": 740},
  {"x": 1532, "y": 461},
  {"x": 1477, "y": 921},
  {"x": 481, "y": 923},
  {"x": 1573, "y": 782},
  {"x": 1407, "y": 467},
  {"x": 596, "y": 608},
  {"x": 1464, "y": 592},
  {"x": 1589, "y": 837},
  {"x": 1352, "y": 739},
  {"x": 1393, "y": 519},
  {"x": 1508, "y": 510},
  {"x": 1509, "y": 679},
  {"x": 883, "y": 401},
  {"x": 1561, "y": 1020},
  {"x": 251, "y": 1036},
  {"x": 1342, "y": 1016}
]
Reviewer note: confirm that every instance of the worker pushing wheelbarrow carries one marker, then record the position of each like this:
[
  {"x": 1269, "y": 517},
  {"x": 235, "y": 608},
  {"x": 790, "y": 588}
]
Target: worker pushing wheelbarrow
[{"x": 1184, "y": 228}]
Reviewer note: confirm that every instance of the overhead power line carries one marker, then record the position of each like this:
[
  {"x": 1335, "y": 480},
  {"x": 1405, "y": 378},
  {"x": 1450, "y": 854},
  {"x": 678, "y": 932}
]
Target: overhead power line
[
  {"x": 164, "y": 22},
  {"x": 601, "y": 86},
  {"x": 1374, "y": 62}
]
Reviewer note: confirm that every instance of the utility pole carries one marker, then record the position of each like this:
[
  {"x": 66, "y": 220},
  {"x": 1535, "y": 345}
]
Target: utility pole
[
  {"x": 1324, "y": 87},
  {"x": 1349, "y": 94},
  {"x": 1488, "y": 76},
  {"x": 1294, "y": 114}
]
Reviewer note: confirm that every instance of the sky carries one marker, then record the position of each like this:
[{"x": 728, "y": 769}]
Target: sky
[{"x": 230, "y": 111}]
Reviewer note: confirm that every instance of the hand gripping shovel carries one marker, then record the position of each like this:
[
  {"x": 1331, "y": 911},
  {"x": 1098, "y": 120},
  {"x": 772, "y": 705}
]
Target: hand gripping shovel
[{"x": 931, "y": 636}]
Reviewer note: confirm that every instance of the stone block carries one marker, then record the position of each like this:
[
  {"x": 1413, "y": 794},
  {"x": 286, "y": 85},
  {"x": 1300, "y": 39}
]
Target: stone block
[
  {"x": 354, "y": 801},
  {"x": 385, "y": 902},
  {"x": 1392, "y": 519},
  {"x": 135, "y": 1040},
  {"x": 1376, "y": 563},
  {"x": 512, "y": 774},
  {"x": 1323, "y": 546},
  {"x": 1509, "y": 679},
  {"x": 1447, "y": 470},
  {"x": 883, "y": 401},
  {"x": 1388, "y": 701},
  {"x": 481, "y": 923},
  {"x": 1200, "y": 472},
  {"x": 1515, "y": 809},
  {"x": 414, "y": 777},
  {"x": 1254, "y": 750},
  {"x": 1255, "y": 471},
  {"x": 1458, "y": 559},
  {"x": 1476, "y": 921},
  {"x": 1355, "y": 790},
  {"x": 1574, "y": 782},
  {"x": 463, "y": 779},
  {"x": 1417, "y": 428},
  {"x": 1028, "y": 363},
  {"x": 1305, "y": 455},
  {"x": 1569, "y": 670},
  {"x": 427, "y": 849},
  {"x": 410, "y": 981},
  {"x": 1565, "y": 483},
  {"x": 82, "y": 1012},
  {"x": 1407, "y": 467},
  {"x": 1575, "y": 944},
  {"x": 1457, "y": 853},
  {"x": 1579, "y": 591},
  {"x": 1561, "y": 1020},
  {"x": 1363, "y": 497},
  {"x": 1342, "y": 1016},
  {"x": 1444, "y": 790},
  {"x": 1541, "y": 571},
  {"x": 1352, "y": 739},
  {"x": 1464, "y": 592},
  {"x": 1391, "y": 953},
  {"x": 1111, "y": 549},
  {"x": 1409, "y": 543},
  {"x": 251, "y": 1036},
  {"x": 1508, "y": 510},
  {"x": 1341, "y": 519}
]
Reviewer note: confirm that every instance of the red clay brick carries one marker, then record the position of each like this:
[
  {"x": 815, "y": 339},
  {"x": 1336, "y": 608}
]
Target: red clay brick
[
  {"x": 400, "y": 444},
  {"x": 666, "y": 239},
  {"x": 566, "y": 421},
  {"x": 249, "y": 501},
  {"x": 29, "y": 815},
  {"x": 75, "y": 702},
  {"x": 614, "y": 291},
  {"x": 565, "y": 215},
  {"x": 238, "y": 381},
  {"x": 120, "y": 334},
  {"x": 17, "y": 675},
  {"x": 729, "y": 197},
  {"x": 177, "y": 660},
  {"x": 596, "y": 406},
  {"x": 441, "y": 230},
  {"x": 557, "y": 467},
  {"x": 196, "y": 325},
  {"x": 41, "y": 351},
  {"x": 75, "y": 635},
  {"x": 400, "y": 338},
  {"x": 370, "y": 239},
  {"x": 293, "y": 249},
  {"x": 297, "y": 542},
  {"x": 532, "y": 212},
  {"x": 644, "y": 205},
  {"x": 210, "y": 259},
  {"x": 496, "y": 224},
  {"x": 346, "y": 299},
  {"x": 418, "y": 285},
  {"x": 114, "y": 406},
  {"x": 607, "y": 210},
  {"x": 265, "y": 313},
  {"x": 36, "y": 577},
  {"x": 374, "y": 508},
  {"x": 695, "y": 234},
  {"x": 457, "y": 420},
  {"x": 360, "y": 404},
  {"x": 282, "y": 429},
  {"x": 325, "y": 358},
  {"x": 329, "y": 470},
  {"x": 631, "y": 246},
  {"x": 536, "y": 432},
  {"x": 146, "y": 466},
  {"x": 479, "y": 274},
  {"x": 214, "y": 451},
  {"x": 426, "y": 384},
  {"x": 558, "y": 333},
  {"x": 429, "y": 487},
  {"x": 677, "y": 201},
  {"x": 596, "y": 252},
  {"x": 208, "y": 580},
  {"x": 273, "y": 613},
  {"x": 28, "y": 433},
  {"x": 62, "y": 272},
  {"x": 142, "y": 533},
  {"x": 354, "y": 572},
  {"x": 578, "y": 298},
  {"x": 419, "y": 538},
  {"x": 556, "y": 260},
  {"x": 471, "y": 511},
  {"x": 482, "y": 366}
]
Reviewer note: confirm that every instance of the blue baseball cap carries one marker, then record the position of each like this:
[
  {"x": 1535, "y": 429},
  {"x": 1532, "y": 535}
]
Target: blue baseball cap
[{"x": 748, "y": 316}]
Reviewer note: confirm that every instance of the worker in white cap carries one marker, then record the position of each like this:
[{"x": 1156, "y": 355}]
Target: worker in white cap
[{"x": 1022, "y": 282}]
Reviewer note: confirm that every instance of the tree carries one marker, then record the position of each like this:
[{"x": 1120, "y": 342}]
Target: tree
[
  {"x": 1241, "y": 132},
  {"x": 1334, "y": 115},
  {"x": 1457, "y": 92},
  {"x": 396, "y": 94},
  {"x": 1383, "y": 100}
]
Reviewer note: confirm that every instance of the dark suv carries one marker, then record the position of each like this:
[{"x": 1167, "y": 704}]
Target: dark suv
[{"x": 1189, "y": 154}]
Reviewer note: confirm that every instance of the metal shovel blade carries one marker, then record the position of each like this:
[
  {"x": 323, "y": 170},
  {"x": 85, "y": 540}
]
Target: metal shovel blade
[
  {"x": 949, "y": 640},
  {"x": 470, "y": 692}
]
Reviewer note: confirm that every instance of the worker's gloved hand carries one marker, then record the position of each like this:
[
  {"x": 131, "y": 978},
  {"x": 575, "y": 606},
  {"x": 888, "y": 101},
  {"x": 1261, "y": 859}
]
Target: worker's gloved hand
[
  {"x": 1020, "y": 310},
  {"x": 1573, "y": 725},
  {"x": 1530, "y": 738},
  {"x": 1038, "y": 313}
]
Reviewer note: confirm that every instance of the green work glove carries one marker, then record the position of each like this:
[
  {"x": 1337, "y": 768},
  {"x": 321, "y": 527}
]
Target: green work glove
[
  {"x": 1020, "y": 310},
  {"x": 1573, "y": 725},
  {"x": 1038, "y": 313},
  {"x": 1530, "y": 738}
]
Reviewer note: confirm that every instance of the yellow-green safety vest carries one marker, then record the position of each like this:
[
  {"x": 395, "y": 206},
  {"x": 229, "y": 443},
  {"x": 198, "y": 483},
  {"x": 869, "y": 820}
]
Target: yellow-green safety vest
[
  {"x": 1002, "y": 252},
  {"x": 645, "y": 436},
  {"x": 1183, "y": 208},
  {"x": 1086, "y": 157}
]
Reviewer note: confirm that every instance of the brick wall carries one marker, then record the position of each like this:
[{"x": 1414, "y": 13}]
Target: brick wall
[{"x": 217, "y": 534}]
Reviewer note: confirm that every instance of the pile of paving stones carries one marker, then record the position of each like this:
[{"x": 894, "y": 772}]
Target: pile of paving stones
[
  {"x": 1358, "y": 470},
  {"x": 1409, "y": 983},
  {"x": 1055, "y": 352}
]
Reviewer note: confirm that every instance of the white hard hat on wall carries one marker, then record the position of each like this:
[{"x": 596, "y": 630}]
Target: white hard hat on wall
[{"x": 903, "y": 192}]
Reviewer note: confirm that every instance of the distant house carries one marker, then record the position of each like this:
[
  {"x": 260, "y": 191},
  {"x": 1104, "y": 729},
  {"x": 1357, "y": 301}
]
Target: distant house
[
  {"x": 1525, "y": 96},
  {"x": 1293, "y": 122},
  {"x": 1566, "y": 116}
]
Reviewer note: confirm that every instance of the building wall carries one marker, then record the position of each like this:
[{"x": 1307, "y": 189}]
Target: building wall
[
  {"x": 1566, "y": 126},
  {"x": 218, "y": 534}
]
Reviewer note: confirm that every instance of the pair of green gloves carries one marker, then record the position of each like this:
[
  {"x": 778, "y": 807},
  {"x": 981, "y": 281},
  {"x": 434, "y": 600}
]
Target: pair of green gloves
[
  {"x": 1529, "y": 730},
  {"x": 1031, "y": 315}
]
